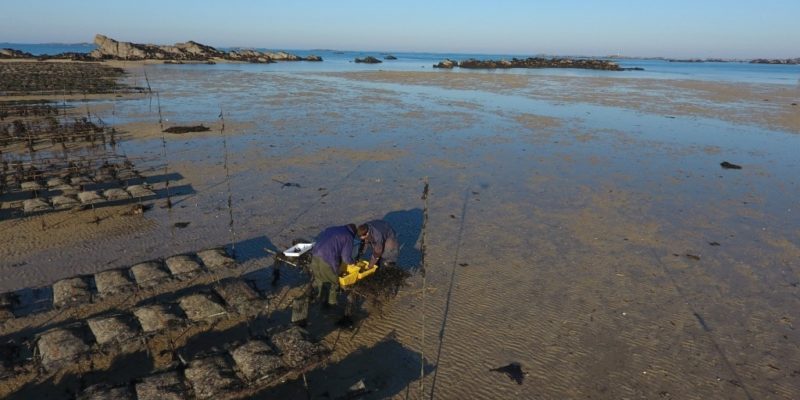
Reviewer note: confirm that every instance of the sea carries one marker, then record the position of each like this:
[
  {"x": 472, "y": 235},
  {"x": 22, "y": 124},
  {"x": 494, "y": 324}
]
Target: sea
[{"x": 339, "y": 61}]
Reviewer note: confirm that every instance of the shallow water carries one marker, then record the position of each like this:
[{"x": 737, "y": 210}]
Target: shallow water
[{"x": 558, "y": 242}]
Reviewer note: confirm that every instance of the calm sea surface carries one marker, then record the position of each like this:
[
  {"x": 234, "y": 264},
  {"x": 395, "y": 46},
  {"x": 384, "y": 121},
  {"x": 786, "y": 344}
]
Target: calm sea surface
[{"x": 337, "y": 61}]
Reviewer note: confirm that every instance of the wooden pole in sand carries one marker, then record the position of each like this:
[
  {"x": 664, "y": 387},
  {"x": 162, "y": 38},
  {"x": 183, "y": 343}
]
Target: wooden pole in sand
[
  {"x": 228, "y": 183},
  {"x": 163, "y": 147},
  {"x": 422, "y": 262}
]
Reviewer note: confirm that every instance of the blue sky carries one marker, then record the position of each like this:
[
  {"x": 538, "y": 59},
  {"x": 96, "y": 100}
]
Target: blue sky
[{"x": 676, "y": 28}]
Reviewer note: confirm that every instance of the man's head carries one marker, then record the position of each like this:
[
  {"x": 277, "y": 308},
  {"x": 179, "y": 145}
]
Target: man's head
[{"x": 363, "y": 231}]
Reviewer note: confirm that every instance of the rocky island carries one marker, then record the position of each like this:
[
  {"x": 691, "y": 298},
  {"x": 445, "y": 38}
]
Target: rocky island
[
  {"x": 786, "y": 61},
  {"x": 368, "y": 60},
  {"x": 532, "y": 62},
  {"x": 698, "y": 60}
]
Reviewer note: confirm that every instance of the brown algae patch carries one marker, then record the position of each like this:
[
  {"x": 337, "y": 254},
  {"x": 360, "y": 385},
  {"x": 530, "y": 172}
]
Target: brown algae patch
[
  {"x": 536, "y": 122},
  {"x": 468, "y": 81}
]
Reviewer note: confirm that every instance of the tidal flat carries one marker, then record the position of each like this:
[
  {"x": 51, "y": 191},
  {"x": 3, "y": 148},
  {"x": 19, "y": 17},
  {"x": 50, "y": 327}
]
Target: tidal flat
[{"x": 580, "y": 227}]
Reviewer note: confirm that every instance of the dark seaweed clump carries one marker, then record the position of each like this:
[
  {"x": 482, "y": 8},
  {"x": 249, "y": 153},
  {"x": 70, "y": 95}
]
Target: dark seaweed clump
[
  {"x": 727, "y": 165},
  {"x": 381, "y": 286},
  {"x": 187, "y": 129}
]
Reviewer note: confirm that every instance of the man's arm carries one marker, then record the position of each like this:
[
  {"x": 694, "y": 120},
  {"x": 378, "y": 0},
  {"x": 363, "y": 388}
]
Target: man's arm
[
  {"x": 347, "y": 252},
  {"x": 377, "y": 252}
]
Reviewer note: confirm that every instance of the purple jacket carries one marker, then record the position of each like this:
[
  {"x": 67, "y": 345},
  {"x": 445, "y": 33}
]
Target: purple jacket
[{"x": 335, "y": 245}]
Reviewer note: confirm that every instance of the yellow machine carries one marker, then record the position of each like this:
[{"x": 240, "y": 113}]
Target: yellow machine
[{"x": 356, "y": 272}]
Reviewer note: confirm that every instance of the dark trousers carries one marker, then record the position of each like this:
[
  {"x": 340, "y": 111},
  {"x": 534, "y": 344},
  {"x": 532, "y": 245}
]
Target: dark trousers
[{"x": 324, "y": 277}]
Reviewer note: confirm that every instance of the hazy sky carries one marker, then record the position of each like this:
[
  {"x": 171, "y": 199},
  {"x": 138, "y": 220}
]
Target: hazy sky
[{"x": 674, "y": 28}]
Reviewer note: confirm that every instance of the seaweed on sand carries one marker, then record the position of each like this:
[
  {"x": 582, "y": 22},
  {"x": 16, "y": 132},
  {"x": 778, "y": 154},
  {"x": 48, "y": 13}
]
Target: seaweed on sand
[
  {"x": 296, "y": 350},
  {"x": 187, "y": 129},
  {"x": 381, "y": 286}
]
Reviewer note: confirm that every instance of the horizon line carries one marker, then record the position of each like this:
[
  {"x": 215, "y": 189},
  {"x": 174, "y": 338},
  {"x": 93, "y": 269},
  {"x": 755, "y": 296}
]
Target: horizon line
[{"x": 384, "y": 51}]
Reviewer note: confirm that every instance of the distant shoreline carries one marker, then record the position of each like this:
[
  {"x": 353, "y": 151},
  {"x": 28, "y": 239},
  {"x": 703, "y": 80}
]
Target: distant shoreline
[{"x": 27, "y": 47}]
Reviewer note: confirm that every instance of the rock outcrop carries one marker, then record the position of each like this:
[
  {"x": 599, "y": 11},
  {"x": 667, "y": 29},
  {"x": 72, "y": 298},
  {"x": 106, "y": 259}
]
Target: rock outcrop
[
  {"x": 368, "y": 60},
  {"x": 247, "y": 55},
  {"x": 446, "y": 64},
  {"x": 108, "y": 48},
  {"x": 21, "y": 55},
  {"x": 283, "y": 56},
  {"x": 11, "y": 53}
]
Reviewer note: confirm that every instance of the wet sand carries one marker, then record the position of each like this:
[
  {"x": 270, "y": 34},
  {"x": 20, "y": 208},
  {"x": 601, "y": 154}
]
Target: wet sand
[
  {"x": 570, "y": 223},
  {"x": 750, "y": 104}
]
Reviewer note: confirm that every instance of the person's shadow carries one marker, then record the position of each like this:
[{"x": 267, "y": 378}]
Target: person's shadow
[
  {"x": 251, "y": 249},
  {"x": 408, "y": 226},
  {"x": 386, "y": 369}
]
